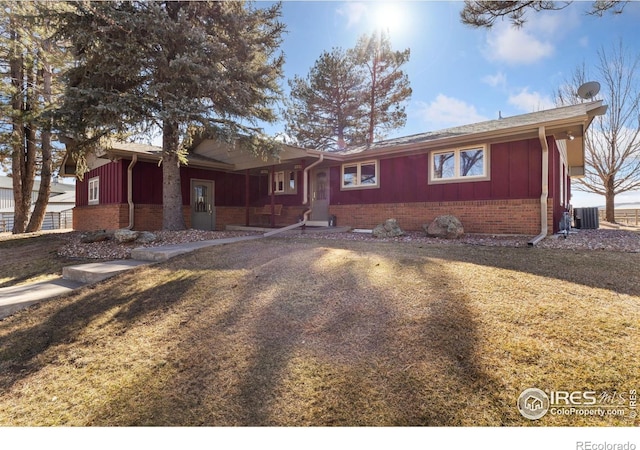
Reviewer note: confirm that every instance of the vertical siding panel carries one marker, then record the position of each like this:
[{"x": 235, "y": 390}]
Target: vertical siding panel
[
  {"x": 535, "y": 168},
  {"x": 450, "y": 192},
  {"x": 466, "y": 191},
  {"x": 481, "y": 190},
  {"x": 518, "y": 170},
  {"x": 500, "y": 171},
  {"x": 147, "y": 183},
  {"x": 82, "y": 193}
]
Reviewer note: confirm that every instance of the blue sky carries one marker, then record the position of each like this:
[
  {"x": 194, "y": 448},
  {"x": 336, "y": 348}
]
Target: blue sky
[{"x": 459, "y": 74}]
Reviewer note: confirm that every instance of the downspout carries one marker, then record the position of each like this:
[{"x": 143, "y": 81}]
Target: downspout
[
  {"x": 545, "y": 187},
  {"x": 133, "y": 162},
  {"x": 305, "y": 187}
]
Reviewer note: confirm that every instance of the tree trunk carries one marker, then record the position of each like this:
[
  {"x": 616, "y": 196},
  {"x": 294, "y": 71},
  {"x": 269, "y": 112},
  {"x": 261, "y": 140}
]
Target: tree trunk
[
  {"x": 610, "y": 215},
  {"x": 372, "y": 99},
  {"x": 40, "y": 209},
  {"x": 610, "y": 195},
  {"x": 172, "y": 218},
  {"x": 21, "y": 204}
]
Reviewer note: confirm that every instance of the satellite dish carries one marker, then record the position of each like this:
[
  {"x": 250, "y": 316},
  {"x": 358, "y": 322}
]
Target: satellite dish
[{"x": 589, "y": 90}]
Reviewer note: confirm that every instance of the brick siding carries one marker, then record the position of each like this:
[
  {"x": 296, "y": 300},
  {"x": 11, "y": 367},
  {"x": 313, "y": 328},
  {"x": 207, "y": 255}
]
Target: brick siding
[
  {"x": 100, "y": 217},
  {"x": 149, "y": 217},
  {"x": 116, "y": 216},
  {"x": 487, "y": 216},
  {"x": 236, "y": 215}
]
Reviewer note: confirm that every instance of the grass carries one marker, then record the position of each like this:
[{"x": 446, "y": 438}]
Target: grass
[
  {"x": 30, "y": 259},
  {"x": 313, "y": 333}
]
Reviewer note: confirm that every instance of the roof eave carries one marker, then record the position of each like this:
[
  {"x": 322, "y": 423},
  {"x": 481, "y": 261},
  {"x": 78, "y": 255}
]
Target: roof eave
[{"x": 527, "y": 131}]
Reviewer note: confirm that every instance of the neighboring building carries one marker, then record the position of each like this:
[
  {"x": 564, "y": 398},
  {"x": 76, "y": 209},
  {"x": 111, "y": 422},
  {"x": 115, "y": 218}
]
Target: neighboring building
[
  {"x": 59, "y": 212},
  {"x": 505, "y": 176}
]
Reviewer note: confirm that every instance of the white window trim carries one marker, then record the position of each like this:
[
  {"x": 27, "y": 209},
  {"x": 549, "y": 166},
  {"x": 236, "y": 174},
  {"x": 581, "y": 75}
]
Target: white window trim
[
  {"x": 456, "y": 158},
  {"x": 90, "y": 186},
  {"x": 286, "y": 188},
  {"x": 358, "y": 166}
]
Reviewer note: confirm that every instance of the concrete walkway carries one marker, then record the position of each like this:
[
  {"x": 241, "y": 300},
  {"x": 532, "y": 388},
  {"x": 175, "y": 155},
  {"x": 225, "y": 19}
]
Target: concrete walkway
[
  {"x": 156, "y": 254},
  {"x": 15, "y": 298}
]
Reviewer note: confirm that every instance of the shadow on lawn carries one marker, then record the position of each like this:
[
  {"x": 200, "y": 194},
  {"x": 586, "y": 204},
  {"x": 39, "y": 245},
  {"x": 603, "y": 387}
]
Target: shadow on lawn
[
  {"x": 306, "y": 334},
  {"x": 319, "y": 345},
  {"x": 21, "y": 351},
  {"x": 614, "y": 271}
]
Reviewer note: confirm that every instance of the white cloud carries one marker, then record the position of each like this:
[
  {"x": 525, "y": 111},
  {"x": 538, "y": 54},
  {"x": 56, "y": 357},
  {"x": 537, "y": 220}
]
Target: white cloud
[
  {"x": 535, "y": 40},
  {"x": 516, "y": 45},
  {"x": 497, "y": 80},
  {"x": 448, "y": 112},
  {"x": 530, "y": 101},
  {"x": 354, "y": 12}
]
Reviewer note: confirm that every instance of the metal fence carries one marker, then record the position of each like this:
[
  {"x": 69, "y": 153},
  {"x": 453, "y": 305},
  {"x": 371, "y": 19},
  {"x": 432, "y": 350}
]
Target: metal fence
[{"x": 52, "y": 221}]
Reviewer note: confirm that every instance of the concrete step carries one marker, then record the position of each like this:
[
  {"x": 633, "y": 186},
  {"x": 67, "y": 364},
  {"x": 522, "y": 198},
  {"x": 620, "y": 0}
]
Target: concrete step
[{"x": 94, "y": 272}]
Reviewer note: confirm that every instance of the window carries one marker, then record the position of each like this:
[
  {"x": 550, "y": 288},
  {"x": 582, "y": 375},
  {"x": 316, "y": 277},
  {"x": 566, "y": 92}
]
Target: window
[
  {"x": 360, "y": 175},
  {"x": 285, "y": 182},
  {"x": 464, "y": 164},
  {"x": 279, "y": 186},
  {"x": 94, "y": 191}
]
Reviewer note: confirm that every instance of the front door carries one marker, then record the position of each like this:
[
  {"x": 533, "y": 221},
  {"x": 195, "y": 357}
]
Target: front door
[
  {"x": 203, "y": 216},
  {"x": 320, "y": 195}
]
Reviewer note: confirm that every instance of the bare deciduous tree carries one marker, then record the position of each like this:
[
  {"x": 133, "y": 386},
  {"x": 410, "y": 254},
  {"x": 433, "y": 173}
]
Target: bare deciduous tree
[{"x": 612, "y": 143}]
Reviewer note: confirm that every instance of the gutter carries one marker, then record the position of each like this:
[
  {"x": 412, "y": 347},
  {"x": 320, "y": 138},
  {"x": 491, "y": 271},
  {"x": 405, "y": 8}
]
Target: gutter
[
  {"x": 305, "y": 189},
  {"x": 542, "y": 135},
  {"x": 305, "y": 179},
  {"x": 133, "y": 162}
]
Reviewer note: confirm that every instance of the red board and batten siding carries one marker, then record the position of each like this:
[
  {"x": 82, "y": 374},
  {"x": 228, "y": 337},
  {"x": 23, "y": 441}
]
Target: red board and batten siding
[
  {"x": 229, "y": 190},
  {"x": 515, "y": 169},
  {"x": 113, "y": 184},
  {"x": 147, "y": 185},
  {"x": 507, "y": 203}
]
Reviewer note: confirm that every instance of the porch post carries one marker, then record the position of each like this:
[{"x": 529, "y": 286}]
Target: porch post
[
  {"x": 246, "y": 198},
  {"x": 273, "y": 196}
]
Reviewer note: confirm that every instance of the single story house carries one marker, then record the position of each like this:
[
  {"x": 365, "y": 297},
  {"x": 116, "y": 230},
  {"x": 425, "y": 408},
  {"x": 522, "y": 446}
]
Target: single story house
[
  {"x": 59, "y": 212},
  {"x": 505, "y": 176}
]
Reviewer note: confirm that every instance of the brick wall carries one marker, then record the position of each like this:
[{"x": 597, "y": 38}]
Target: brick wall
[
  {"x": 115, "y": 216},
  {"x": 149, "y": 217},
  {"x": 236, "y": 215},
  {"x": 100, "y": 217},
  {"x": 487, "y": 216},
  {"x": 229, "y": 215}
]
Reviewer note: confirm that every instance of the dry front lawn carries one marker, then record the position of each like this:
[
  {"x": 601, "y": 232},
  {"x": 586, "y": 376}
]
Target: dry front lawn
[
  {"x": 302, "y": 332},
  {"x": 31, "y": 258}
]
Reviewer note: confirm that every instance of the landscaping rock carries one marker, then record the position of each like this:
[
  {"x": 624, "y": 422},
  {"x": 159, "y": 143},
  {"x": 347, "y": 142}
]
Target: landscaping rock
[
  {"x": 95, "y": 236},
  {"x": 124, "y": 236},
  {"x": 146, "y": 237},
  {"x": 447, "y": 227},
  {"x": 389, "y": 228}
]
